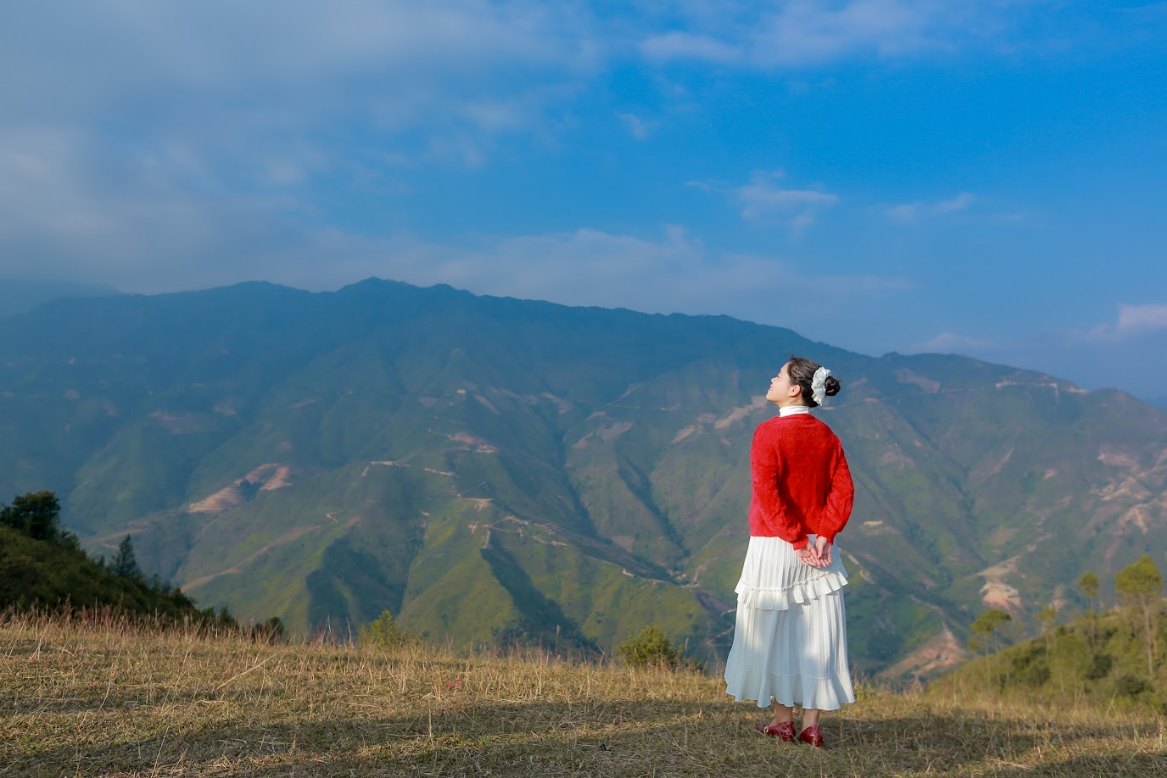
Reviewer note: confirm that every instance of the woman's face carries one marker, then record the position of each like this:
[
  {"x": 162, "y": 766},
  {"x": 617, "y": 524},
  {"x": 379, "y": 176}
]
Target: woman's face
[{"x": 782, "y": 391}]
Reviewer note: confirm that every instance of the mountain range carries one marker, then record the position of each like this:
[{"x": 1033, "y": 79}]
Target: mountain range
[{"x": 492, "y": 469}]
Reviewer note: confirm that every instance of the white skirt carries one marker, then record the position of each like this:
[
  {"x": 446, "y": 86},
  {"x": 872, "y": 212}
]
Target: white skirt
[{"x": 790, "y": 642}]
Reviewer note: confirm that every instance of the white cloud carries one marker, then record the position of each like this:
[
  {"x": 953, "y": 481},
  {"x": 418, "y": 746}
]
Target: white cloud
[
  {"x": 763, "y": 199},
  {"x": 289, "y": 49},
  {"x": 808, "y": 31},
  {"x": 229, "y": 78},
  {"x": 153, "y": 145},
  {"x": 157, "y": 219},
  {"x": 145, "y": 220},
  {"x": 639, "y": 128},
  {"x": 670, "y": 46},
  {"x": 800, "y": 33},
  {"x": 672, "y": 273},
  {"x": 909, "y": 212},
  {"x": 951, "y": 343},
  {"x": 1132, "y": 318},
  {"x": 150, "y": 236},
  {"x": 1133, "y": 321},
  {"x": 905, "y": 212},
  {"x": 960, "y": 202}
]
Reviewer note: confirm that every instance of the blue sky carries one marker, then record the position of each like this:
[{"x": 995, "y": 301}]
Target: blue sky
[{"x": 985, "y": 178}]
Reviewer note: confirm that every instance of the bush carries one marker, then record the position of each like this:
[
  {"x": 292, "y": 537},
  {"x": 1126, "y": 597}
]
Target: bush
[
  {"x": 1030, "y": 667},
  {"x": 1130, "y": 685},
  {"x": 384, "y": 633},
  {"x": 1101, "y": 667},
  {"x": 271, "y": 631},
  {"x": 651, "y": 648}
]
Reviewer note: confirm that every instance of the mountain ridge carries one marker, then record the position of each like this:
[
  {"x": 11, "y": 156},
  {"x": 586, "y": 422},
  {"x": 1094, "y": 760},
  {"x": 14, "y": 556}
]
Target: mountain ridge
[
  {"x": 434, "y": 442},
  {"x": 18, "y": 295}
]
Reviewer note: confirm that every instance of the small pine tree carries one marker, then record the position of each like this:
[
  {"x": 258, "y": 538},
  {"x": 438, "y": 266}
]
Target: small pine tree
[
  {"x": 651, "y": 648},
  {"x": 383, "y": 632},
  {"x": 225, "y": 619},
  {"x": 124, "y": 563}
]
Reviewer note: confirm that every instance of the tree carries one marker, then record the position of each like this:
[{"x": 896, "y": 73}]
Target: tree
[
  {"x": 36, "y": 514},
  {"x": 1048, "y": 617},
  {"x": 1071, "y": 661},
  {"x": 989, "y": 626},
  {"x": 988, "y": 630},
  {"x": 1140, "y": 587},
  {"x": 125, "y": 563},
  {"x": 1088, "y": 583}
]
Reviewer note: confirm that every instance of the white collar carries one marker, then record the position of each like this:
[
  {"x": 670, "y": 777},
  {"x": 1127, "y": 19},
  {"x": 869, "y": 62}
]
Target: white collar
[{"x": 791, "y": 410}]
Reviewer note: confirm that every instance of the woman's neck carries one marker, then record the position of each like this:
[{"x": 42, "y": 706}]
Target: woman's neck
[{"x": 790, "y": 410}]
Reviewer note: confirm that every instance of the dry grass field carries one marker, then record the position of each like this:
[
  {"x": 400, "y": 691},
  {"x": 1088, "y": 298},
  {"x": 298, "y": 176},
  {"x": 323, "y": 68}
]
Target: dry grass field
[{"x": 93, "y": 696}]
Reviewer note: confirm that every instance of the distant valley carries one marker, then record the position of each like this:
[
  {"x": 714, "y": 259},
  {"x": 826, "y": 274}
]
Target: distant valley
[{"x": 494, "y": 469}]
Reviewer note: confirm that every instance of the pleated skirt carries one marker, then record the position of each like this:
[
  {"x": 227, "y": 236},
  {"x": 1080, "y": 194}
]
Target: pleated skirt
[{"x": 790, "y": 638}]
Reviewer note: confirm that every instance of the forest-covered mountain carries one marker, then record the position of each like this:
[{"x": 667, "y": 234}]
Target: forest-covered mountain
[{"x": 485, "y": 467}]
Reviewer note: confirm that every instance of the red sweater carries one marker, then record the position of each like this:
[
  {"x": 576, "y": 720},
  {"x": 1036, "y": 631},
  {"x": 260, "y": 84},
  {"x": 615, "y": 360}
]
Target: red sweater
[{"x": 802, "y": 484}]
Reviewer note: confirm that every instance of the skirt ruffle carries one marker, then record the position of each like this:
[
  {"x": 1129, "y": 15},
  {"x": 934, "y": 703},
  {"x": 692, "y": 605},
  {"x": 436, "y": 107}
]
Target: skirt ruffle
[
  {"x": 773, "y": 578},
  {"x": 790, "y": 640}
]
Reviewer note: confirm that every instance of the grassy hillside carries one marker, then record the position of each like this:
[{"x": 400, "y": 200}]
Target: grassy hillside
[
  {"x": 39, "y": 574},
  {"x": 1098, "y": 660},
  {"x": 95, "y": 697}
]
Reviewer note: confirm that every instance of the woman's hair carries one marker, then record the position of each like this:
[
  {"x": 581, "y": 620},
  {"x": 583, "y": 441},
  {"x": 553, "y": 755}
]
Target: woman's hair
[{"x": 802, "y": 372}]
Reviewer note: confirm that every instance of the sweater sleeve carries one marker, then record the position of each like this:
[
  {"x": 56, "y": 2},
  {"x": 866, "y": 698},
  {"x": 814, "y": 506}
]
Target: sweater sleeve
[
  {"x": 839, "y": 501},
  {"x": 766, "y": 469}
]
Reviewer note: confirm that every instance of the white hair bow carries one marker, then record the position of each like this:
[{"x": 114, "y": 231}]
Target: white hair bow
[{"x": 818, "y": 385}]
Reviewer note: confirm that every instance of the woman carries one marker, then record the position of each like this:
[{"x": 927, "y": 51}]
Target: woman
[{"x": 790, "y": 641}]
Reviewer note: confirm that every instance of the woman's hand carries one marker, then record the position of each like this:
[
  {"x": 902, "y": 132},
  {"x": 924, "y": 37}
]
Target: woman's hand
[
  {"x": 817, "y": 554},
  {"x": 823, "y": 549},
  {"x": 809, "y": 555}
]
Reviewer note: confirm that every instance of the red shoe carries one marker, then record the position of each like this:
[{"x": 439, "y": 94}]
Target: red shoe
[
  {"x": 812, "y": 735},
  {"x": 784, "y": 730}
]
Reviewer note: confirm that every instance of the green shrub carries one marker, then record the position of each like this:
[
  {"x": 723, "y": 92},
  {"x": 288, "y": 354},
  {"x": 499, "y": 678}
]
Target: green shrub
[
  {"x": 651, "y": 648},
  {"x": 1100, "y": 668},
  {"x": 1030, "y": 666},
  {"x": 1130, "y": 685},
  {"x": 384, "y": 633},
  {"x": 270, "y": 631}
]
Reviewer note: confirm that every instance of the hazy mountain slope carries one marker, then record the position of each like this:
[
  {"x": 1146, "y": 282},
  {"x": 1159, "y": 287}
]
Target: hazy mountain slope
[
  {"x": 490, "y": 467},
  {"x": 18, "y": 295}
]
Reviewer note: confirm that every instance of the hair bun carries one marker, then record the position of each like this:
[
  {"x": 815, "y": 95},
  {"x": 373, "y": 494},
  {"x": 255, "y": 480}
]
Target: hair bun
[{"x": 832, "y": 386}]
